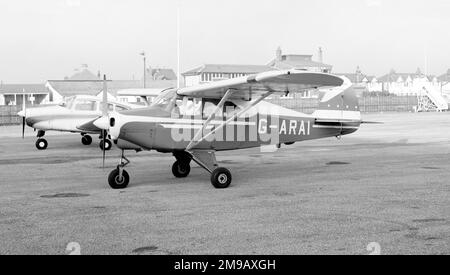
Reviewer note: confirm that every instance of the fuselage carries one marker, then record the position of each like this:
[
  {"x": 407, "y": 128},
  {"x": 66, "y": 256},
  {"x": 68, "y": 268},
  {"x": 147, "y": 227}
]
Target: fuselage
[
  {"x": 68, "y": 117},
  {"x": 263, "y": 124}
]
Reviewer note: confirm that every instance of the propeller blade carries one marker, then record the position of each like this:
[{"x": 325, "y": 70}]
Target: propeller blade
[
  {"x": 104, "y": 117},
  {"x": 371, "y": 122},
  {"x": 23, "y": 127},
  {"x": 104, "y": 133}
]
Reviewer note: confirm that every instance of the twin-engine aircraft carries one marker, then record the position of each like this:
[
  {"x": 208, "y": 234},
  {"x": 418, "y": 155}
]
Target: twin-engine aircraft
[
  {"x": 196, "y": 122},
  {"x": 76, "y": 115}
]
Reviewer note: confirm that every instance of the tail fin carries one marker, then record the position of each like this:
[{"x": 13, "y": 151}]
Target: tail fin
[{"x": 339, "y": 104}]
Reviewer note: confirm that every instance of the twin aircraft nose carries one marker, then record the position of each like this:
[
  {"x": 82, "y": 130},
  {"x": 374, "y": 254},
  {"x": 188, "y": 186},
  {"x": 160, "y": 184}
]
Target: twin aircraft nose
[{"x": 102, "y": 123}]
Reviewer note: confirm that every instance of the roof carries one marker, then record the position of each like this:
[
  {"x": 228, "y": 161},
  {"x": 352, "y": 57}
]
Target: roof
[
  {"x": 227, "y": 68},
  {"x": 20, "y": 88},
  {"x": 394, "y": 76},
  {"x": 297, "y": 61},
  {"x": 356, "y": 78},
  {"x": 70, "y": 88},
  {"x": 445, "y": 77},
  {"x": 164, "y": 74},
  {"x": 85, "y": 74}
]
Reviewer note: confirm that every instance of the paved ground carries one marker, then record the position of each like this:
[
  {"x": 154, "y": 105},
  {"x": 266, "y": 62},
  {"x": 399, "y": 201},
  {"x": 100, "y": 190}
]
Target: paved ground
[{"x": 386, "y": 183}]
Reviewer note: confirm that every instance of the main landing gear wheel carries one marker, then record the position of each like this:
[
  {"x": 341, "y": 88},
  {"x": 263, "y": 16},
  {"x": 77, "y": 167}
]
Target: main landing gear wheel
[
  {"x": 181, "y": 169},
  {"x": 108, "y": 145},
  {"x": 117, "y": 181},
  {"x": 41, "y": 144},
  {"x": 86, "y": 140},
  {"x": 221, "y": 178}
]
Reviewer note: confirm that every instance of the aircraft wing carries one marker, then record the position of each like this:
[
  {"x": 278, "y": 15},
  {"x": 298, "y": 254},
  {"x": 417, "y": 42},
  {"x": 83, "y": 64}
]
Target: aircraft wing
[{"x": 291, "y": 81}]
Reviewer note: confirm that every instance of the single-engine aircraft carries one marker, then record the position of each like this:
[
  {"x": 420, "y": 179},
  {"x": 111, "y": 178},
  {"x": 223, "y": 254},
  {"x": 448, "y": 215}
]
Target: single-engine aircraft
[
  {"x": 194, "y": 123},
  {"x": 75, "y": 115}
]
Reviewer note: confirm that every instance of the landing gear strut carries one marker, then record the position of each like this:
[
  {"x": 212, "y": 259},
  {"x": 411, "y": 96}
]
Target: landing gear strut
[
  {"x": 220, "y": 177},
  {"x": 119, "y": 178},
  {"x": 41, "y": 143}
]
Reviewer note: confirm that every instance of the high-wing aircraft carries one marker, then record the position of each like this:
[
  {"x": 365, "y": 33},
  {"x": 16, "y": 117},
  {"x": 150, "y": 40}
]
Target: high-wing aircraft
[
  {"x": 76, "y": 115},
  {"x": 194, "y": 123}
]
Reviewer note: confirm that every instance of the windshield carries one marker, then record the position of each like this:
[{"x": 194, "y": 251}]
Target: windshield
[
  {"x": 68, "y": 102},
  {"x": 165, "y": 99}
]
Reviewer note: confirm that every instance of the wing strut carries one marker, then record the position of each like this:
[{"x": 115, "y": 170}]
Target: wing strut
[
  {"x": 195, "y": 142},
  {"x": 216, "y": 110}
]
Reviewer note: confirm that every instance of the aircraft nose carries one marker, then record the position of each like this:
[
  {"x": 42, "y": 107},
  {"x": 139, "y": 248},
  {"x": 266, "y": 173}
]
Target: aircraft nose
[{"x": 102, "y": 123}]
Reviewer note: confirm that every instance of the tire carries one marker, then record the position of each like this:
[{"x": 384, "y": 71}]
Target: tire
[
  {"x": 108, "y": 145},
  {"x": 221, "y": 178},
  {"x": 115, "y": 183},
  {"x": 181, "y": 169},
  {"x": 86, "y": 140},
  {"x": 41, "y": 144}
]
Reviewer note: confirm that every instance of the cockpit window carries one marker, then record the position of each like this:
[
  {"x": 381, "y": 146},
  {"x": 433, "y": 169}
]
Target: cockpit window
[
  {"x": 85, "y": 105},
  {"x": 166, "y": 99},
  {"x": 68, "y": 102},
  {"x": 120, "y": 108}
]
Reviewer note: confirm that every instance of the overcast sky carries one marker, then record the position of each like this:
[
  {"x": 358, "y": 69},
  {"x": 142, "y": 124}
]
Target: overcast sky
[{"x": 48, "y": 39}]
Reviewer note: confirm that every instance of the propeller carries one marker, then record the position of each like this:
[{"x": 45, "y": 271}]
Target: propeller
[
  {"x": 104, "y": 115},
  {"x": 23, "y": 114}
]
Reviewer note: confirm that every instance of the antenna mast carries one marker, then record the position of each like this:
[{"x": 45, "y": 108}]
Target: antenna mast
[{"x": 178, "y": 47}]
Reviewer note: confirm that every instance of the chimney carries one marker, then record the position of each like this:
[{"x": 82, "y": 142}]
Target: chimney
[
  {"x": 279, "y": 54},
  {"x": 320, "y": 55},
  {"x": 358, "y": 75}
]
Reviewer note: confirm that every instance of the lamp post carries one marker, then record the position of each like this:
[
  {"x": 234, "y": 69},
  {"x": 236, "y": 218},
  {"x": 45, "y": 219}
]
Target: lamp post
[{"x": 145, "y": 65}]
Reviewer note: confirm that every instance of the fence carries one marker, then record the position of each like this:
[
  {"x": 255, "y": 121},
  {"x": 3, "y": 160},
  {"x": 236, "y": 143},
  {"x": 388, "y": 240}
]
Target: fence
[
  {"x": 367, "y": 104},
  {"x": 8, "y": 115}
]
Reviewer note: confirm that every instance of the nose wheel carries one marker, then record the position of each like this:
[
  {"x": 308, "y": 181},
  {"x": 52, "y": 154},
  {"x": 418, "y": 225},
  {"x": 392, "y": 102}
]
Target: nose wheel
[
  {"x": 107, "y": 144},
  {"x": 119, "y": 178}
]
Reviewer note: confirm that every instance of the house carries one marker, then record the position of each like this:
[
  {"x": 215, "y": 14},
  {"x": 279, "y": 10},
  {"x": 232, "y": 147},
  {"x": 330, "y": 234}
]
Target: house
[
  {"x": 14, "y": 94},
  {"x": 361, "y": 82},
  {"x": 299, "y": 62},
  {"x": 160, "y": 74},
  {"x": 406, "y": 83},
  {"x": 84, "y": 82}
]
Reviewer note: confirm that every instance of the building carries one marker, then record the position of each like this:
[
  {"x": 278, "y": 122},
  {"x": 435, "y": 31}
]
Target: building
[
  {"x": 362, "y": 83},
  {"x": 160, "y": 74},
  {"x": 444, "y": 81},
  {"x": 299, "y": 62},
  {"x": 84, "y": 82},
  {"x": 407, "y": 83},
  {"x": 14, "y": 94},
  {"x": 213, "y": 72}
]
